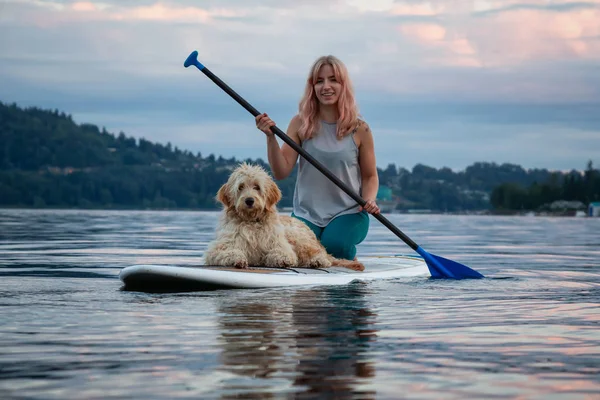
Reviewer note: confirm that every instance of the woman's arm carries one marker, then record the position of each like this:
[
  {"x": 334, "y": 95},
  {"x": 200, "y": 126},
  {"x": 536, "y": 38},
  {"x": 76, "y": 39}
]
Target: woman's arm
[
  {"x": 368, "y": 168},
  {"x": 282, "y": 160}
]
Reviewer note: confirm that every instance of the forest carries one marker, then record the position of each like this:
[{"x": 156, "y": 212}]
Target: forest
[{"x": 48, "y": 160}]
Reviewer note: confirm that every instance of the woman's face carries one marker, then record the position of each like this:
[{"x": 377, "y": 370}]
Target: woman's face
[{"x": 327, "y": 88}]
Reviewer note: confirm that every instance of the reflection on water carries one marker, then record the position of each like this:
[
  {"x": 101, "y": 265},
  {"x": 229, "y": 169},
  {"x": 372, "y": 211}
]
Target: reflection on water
[
  {"x": 315, "y": 345},
  {"x": 67, "y": 331}
]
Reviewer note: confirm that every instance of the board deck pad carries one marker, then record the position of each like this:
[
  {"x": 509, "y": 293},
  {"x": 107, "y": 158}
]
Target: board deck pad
[{"x": 169, "y": 278}]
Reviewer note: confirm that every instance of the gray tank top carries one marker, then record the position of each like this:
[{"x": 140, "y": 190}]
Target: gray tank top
[{"x": 316, "y": 198}]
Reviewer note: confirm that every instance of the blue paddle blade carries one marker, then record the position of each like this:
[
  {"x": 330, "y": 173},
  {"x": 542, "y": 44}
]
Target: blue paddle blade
[{"x": 440, "y": 267}]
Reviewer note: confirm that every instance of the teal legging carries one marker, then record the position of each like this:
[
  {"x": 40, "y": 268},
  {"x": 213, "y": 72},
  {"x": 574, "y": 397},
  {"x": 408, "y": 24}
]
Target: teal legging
[{"x": 342, "y": 234}]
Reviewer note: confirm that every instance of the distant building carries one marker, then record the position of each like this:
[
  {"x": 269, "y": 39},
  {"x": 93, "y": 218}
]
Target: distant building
[
  {"x": 594, "y": 209},
  {"x": 566, "y": 205},
  {"x": 385, "y": 199},
  {"x": 384, "y": 193}
]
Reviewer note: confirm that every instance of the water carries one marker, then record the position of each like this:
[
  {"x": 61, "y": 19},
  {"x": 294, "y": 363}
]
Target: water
[{"x": 68, "y": 331}]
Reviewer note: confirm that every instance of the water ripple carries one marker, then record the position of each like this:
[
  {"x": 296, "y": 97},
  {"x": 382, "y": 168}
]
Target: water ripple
[{"x": 67, "y": 331}]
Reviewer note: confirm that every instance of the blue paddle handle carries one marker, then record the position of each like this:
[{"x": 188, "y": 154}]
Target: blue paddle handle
[{"x": 193, "y": 60}]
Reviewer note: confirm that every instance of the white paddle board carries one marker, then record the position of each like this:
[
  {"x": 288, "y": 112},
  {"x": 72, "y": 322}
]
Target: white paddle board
[{"x": 155, "y": 278}]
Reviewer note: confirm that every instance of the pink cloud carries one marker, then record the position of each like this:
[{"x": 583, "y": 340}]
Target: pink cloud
[
  {"x": 461, "y": 46},
  {"x": 452, "y": 48},
  {"x": 159, "y": 12},
  {"x": 534, "y": 35},
  {"x": 424, "y": 9},
  {"x": 83, "y": 6},
  {"x": 423, "y": 32},
  {"x": 508, "y": 37}
]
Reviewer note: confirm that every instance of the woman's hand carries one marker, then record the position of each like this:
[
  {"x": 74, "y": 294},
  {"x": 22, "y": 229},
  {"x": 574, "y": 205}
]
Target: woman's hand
[
  {"x": 264, "y": 123},
  {"x": 371, "y": 207}
]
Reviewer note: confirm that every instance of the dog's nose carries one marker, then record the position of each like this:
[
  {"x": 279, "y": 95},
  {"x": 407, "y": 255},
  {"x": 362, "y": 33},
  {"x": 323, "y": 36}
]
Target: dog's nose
[{"x": 249, "y": 201}]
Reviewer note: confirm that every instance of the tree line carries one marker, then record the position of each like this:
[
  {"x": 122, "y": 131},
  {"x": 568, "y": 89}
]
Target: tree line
[
  {"x": 48, "y": 160},
  {"x": 573, "y": 186}
]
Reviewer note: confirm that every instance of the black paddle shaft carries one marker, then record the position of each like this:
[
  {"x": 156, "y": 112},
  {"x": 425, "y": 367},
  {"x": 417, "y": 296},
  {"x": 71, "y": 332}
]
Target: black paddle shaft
[{"x": 309, "y": 158}]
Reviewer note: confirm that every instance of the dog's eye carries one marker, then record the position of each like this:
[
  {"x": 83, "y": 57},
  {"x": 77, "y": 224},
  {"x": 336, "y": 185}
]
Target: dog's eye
[
  {"x": 241, "y": 187},
  {"x": 257, "y": 188}
]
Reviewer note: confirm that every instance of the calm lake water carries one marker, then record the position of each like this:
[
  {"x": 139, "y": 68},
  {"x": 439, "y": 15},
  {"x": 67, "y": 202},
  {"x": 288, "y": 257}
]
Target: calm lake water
[{"x": 68, "y": 331}]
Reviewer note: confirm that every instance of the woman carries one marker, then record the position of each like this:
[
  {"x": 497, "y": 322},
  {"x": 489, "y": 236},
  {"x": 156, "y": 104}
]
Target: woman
[{"x": 328, "y": 128}]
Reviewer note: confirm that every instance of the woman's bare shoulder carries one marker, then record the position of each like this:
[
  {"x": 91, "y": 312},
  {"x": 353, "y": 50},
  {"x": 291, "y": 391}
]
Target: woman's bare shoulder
[
  {"x": 362, "y": 126},
  {"x": 363, "y": 132},
  {"x": 296, "y": 121},
  {"x": 294, "y": 127}
]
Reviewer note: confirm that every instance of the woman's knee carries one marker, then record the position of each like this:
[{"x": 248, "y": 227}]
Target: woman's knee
[{"x": 338, "y": 247}]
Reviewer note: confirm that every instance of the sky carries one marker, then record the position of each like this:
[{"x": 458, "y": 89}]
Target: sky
[{"x": 445, "y": 83}]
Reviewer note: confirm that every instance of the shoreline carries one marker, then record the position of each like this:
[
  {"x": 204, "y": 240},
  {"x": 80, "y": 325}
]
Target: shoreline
[{"x": 486, "y": 213}]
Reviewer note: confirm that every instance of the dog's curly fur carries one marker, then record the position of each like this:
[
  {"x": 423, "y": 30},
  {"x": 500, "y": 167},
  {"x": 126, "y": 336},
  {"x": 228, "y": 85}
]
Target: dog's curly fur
[{"x": 252, "y": 233}]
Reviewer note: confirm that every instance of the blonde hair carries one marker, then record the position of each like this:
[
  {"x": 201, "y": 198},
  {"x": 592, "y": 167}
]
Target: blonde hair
[{"x": 309, "y": 104}]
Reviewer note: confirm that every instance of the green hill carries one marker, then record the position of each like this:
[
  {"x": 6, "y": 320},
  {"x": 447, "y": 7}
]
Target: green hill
[{"x": 48, "y": 160}]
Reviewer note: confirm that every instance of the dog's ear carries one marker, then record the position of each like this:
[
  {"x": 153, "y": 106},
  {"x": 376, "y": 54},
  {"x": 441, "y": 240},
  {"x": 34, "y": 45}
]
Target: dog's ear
[
  {"x": 273, "y": 194},
  {"x": 223, "y": 195}
]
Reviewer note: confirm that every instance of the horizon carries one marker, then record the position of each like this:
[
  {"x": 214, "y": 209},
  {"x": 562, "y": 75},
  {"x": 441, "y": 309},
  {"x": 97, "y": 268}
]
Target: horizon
[
  {"x": 443, "y": 85},
  {"x": 116, "y": 134}
]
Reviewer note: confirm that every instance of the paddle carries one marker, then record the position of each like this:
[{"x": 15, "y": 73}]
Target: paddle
[{"x": 439, "y": 267}]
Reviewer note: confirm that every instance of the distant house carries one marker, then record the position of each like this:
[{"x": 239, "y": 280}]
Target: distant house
[
  {"x": 384, "y": 193},
  {"x": 594, "y": 209},
  {"x": 566, "y": 205},
  {"x": 385, "y": 199}
]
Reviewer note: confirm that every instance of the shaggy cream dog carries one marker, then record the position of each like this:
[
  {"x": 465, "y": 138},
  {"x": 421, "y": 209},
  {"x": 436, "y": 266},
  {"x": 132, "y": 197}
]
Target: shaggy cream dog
[{"x": 252, "y": 233}]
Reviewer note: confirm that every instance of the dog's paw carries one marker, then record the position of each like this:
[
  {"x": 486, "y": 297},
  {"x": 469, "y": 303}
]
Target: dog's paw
[
  {"x": 320, "y": 261},
  {"x": 286, "y": 263},
  {"x": 285, "y": 260},
  {"x": 241, "y": 264},
  {"x": 289, "y": 262},
  {"x": 356, "y": 266}
]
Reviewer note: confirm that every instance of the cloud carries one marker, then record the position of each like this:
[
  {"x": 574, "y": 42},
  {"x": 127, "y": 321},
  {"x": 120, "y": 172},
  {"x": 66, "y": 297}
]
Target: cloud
[
  {"x": 120, "y": 64},
  {"x": 371, "y": 5},
  {"x": 499, "y": 6},
  {"x": 423, "y": 32},
  {"x": 538, "y": 35},
  {"x": 417, "y": 9},
  {"x": 86, "y": 6},
  {"x": 48, "y": 13},
  {"x": 529, "y": 34}
]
